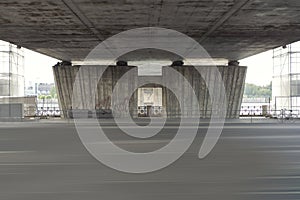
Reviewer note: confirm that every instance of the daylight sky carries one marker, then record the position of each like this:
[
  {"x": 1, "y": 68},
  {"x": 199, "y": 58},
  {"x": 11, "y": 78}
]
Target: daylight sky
[
  {"x": 38, "y": 68},
  {"x": 260, "y": 68}
]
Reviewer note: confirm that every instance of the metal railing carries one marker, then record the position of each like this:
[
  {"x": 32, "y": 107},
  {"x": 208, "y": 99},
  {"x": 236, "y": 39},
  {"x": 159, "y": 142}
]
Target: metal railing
[{"x": 252, "y": 116}]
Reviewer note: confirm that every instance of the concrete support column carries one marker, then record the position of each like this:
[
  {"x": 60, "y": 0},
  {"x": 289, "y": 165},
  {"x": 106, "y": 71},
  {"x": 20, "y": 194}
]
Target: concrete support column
[
  {"x": 234, "y": 81},
  {"x": 65, "y": 75}
]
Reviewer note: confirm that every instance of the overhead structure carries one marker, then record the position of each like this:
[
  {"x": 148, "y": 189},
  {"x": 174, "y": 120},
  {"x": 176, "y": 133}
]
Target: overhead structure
[{"x": 70, "y": 29}]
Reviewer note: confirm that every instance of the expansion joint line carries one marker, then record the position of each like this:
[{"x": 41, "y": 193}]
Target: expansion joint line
[{"x": 233, "y": 10}]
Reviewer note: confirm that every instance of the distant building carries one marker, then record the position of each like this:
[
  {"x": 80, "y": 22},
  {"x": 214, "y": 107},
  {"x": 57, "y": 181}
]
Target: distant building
[
  {"x": 31, "y": 89},
  {"x": 44, "y": 88},
  {"x": 35, "y": 88}
]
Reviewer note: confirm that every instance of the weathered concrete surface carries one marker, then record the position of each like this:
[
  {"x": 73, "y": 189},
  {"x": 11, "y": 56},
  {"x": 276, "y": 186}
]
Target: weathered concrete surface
[
  {"x": 11, "y": 111},
  {"x": 233, "y": 79},
  {"x": 65, "y": 75},
  {"x": 69, "y": 29},
  {"x": 29, "y": 104}
]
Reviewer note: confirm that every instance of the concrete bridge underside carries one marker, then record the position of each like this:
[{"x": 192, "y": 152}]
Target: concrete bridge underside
[{"x": 230, "y": 29}]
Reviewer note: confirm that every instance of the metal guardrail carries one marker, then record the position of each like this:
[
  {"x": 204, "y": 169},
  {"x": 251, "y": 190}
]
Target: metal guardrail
[{"x": 280, "y": 116}]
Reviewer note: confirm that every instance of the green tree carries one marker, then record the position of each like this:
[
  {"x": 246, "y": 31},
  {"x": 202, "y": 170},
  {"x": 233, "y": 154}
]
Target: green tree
[
  {"x": 255, "y": 91},
  {"x": 41, "y": 96},
  {"x": 53, "y": 93}
]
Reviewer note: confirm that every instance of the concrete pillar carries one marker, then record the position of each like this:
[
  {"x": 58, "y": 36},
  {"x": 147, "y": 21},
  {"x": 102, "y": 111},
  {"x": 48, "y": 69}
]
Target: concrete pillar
[
  {"x": 65, "y": 75},
  {"x": 234, "y": 80}
]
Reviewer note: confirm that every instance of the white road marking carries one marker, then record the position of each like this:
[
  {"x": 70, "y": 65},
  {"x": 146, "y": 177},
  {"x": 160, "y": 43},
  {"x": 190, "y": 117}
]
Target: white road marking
[{"x": 15, "y": 152}]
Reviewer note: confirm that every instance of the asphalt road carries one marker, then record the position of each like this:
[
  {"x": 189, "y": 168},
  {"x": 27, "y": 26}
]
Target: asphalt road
[{"x": 46, "y": 160}]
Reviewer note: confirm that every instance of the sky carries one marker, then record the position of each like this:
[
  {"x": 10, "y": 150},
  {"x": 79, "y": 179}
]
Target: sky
[
  {"x": 260, "y": 68},
  {"x": 38, "y": 68}
]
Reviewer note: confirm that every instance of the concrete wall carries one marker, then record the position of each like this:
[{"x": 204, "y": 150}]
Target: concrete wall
[
  {"x": 65, "y": 75},
  {"x": 11, "y": 111},
  {"x": 29, "y": 104},
  {"x": 234, "y": 81}
]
